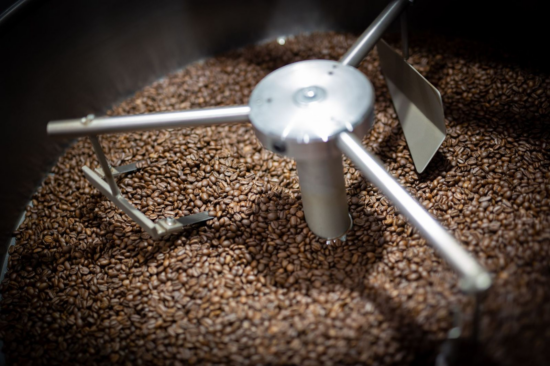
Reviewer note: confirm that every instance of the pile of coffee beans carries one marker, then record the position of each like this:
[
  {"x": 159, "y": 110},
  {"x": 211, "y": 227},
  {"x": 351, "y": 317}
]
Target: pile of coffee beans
[{"x": 254, "y": 286}]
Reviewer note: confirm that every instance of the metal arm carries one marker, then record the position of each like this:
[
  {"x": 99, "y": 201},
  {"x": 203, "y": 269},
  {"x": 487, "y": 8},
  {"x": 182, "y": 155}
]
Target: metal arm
[
  {"x": 157, "y": 230},
  {"x": 104, "y": 179},
  {"x": 474, "y": 278},
  {"x": 106, "y": 125},
  {"x": 107, "y": 185},
  {"x": 372, "y": 34}
]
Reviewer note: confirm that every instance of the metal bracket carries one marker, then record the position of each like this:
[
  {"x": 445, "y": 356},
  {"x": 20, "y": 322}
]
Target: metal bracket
[
  {"x": 418, "y": 105},
  {"x": 106, "y": 184},
  {"x": 119, "y": 170}
]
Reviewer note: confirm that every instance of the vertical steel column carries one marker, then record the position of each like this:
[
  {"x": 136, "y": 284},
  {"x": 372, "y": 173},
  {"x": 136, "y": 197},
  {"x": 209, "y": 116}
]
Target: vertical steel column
[{"x": 324, "y": 196}]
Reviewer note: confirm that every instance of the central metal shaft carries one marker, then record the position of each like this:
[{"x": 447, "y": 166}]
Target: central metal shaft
[
  {"x": 322, "y": 183},
  {"x": 298, "y": 111},
  {"x": 324, "y": 196}
]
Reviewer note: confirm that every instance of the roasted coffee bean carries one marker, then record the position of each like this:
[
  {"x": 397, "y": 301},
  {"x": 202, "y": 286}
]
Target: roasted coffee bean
[{"x": 86, "y": 285}]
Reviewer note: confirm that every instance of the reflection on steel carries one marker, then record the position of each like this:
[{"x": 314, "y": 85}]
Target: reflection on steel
[
  {"x": 105, "y": 125},
  {"x": 116, "y": 171},
  {"x": 298, "y": 111},
  {"x": 194, "y": 219},
  {"x": 324, "y": 196}
]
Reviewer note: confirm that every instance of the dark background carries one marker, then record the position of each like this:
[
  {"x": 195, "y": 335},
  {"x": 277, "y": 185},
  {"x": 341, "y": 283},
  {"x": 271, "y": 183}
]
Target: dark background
[
  {"x": 67, "y": 58},
  {"x": 5, "y": 4}
]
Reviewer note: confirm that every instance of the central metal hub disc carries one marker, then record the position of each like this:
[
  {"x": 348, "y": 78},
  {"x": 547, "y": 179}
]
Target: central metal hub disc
[{"x": 310, "y": 102}]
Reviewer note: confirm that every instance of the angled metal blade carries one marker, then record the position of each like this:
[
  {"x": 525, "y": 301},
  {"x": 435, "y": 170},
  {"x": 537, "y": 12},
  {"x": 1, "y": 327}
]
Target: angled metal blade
[
  {"x": 194, "y": 219},
  {"x": 417, "y": 103},
  {"x": 118, "y": 170}
]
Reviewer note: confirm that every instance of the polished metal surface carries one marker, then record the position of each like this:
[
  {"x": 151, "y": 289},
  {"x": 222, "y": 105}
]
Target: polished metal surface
[
  {"x": 324, "y": 197},
  {"x": 373, "y": 33},
  {"x": 194, "y": 219},
  {"x": 116, "y": 171},
  {"x": 155, "y": 121},
  {"x": 300, "y": 107},
  {"x": 418, "y": 105},
  {"x": 298, "y": 111},
  {"x": 474, "y": 278}
]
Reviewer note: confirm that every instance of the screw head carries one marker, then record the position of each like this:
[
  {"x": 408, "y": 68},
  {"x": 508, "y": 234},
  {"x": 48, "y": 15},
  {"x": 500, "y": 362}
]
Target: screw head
[
  {"x": 89, "y": 118},
  {"x": 309, "y": 95}
]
